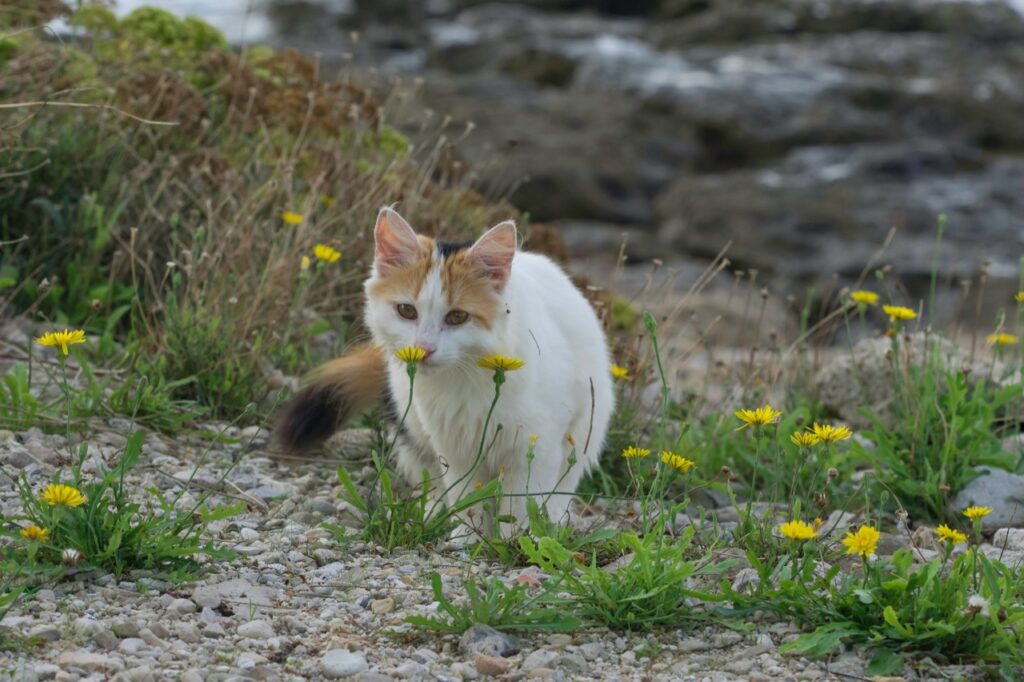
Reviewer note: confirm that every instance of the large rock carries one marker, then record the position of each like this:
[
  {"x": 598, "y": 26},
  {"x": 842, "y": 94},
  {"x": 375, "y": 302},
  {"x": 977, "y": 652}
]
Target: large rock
[{"x": 1000, "y": 490}]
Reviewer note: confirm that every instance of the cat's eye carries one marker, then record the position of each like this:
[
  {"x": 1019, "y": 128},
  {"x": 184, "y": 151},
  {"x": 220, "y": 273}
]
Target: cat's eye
[
  {"x": 406, "y": 310},
  {"x": 456, "y": 317}
]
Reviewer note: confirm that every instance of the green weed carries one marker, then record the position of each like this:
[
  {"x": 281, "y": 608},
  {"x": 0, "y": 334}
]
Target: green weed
[{"x": 497, "y": 604}]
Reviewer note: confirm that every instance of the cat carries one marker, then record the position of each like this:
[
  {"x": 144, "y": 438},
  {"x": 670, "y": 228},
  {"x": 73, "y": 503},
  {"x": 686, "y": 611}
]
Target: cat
[{"x": 460, "y": 303}]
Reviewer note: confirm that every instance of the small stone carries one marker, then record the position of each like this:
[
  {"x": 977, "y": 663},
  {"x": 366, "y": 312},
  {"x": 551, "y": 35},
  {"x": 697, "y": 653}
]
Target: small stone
[
  {"x": 186, "y": 632},
  {"x": 694, "y": 644},
  {"x": 272, "y": 490},
  {"x": 325, "y": 507},
  {"x": 491, "y": 665},
  {"x": 249, "y": 534},
  {"x": 379, "y": 606},
  {"x": 105, "y": 639},
  {"x": 45, "y": 632},
  {"x": 1009, "y": 538},
  {"x": 182, "y": 606},
  {"x": 256, "y": 629},
  {"x": 90, "y": 662},
  {"x": 411, "y": 670},
  {"x": 338, "y": 663},
  {"x": 542, "y": 658},
  {"x": 125, "y": 628},
  {"x": 132, "y": 645},
  {"x": 213, "y": 630},
  {"x": 192, "y": 675},
  {"x": 483, "y": 639},
  {"x": 559, "y": 640}
]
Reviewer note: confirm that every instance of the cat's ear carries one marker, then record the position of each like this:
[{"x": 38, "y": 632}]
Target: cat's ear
[
  {"x": 493, "y": 253},
  {"x": 396, "y": 243}
]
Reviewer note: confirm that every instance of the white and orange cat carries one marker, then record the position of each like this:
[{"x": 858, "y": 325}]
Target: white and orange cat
[{"x": 460, "y": 303}]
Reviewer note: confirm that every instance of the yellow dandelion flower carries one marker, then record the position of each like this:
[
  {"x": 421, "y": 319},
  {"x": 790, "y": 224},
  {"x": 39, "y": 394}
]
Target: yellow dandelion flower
[
  {"x": 1019, "y": 297},
  {"x": 326, "y": 254},
  {"x": 804, "y": 439},
  {"x": 633, "y": 452},
  {"x": 619, "y": 372},
  {"x": 35, "y": 533},
  {"x": 949, "y": 535},
  {"x": 864, "y": 297},
  {"x": 291, "y": 217},
  {"x": 677, "y": 462},
  {"x": 798, "y": 530},
  {"x": 817, "y": 523},
  {"x": 57, "y": 494},
  {"x": 62, "y": 339},
  {"x": 862, "y": 542},
  {"x": 501, "y": 362},
  {"x": 410, "y": 354},
  {"x": 761, "y": 416},
  {"x": 1001, "y": 339},
  {"x": 533, "y": 438},
  {"x": 305, "y": 263},
  {"x": 898, "y": 312},
  {"x": 826, "y": 433},
  {"x": 977, "y": 513}
]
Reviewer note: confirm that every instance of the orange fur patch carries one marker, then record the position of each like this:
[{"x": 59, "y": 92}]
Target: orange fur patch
[
  {"x": 469, "y": 289},
  {"x": 407, "y": 280}
]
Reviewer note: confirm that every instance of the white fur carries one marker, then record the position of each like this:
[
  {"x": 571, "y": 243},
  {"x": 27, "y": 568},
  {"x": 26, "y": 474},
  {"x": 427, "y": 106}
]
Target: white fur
[{"x": 563, "y": 394}]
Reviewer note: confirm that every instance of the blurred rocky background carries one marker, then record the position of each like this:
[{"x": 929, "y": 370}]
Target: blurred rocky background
[{"x": 801, "y": 131}]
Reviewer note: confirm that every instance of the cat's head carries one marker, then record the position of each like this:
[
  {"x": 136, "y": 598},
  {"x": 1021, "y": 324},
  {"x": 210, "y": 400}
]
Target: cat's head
[{"x": 442, "y": 297}]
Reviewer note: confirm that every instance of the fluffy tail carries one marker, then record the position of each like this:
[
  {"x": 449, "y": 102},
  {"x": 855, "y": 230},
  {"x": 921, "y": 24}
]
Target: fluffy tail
[{"x": 335, "y": 392}]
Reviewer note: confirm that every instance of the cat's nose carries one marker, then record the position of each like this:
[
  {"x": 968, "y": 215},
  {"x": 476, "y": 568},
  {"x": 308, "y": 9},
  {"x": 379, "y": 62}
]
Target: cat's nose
[{"x": 427, "y": 351}]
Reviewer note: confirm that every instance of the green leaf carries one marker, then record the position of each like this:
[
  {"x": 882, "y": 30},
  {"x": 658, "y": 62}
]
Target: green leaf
[
  {"x": 884, "y": 662},
  {"x": 822, "y": 641},
  {"x": 864, "y": 596},
  {"x": 889, "y": 614}
]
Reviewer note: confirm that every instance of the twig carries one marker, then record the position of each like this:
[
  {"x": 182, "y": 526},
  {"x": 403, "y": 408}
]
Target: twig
[{"x": 86, "y": 105}]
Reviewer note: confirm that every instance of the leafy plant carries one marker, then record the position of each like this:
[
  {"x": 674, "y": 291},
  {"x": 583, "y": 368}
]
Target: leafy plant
[
  {"x": 505, "y": 548},
  {"x": 98, "y": 520},
  {"x": 942, "y": 427},
  {"x": 497, "y": 604},
  {"x": 649, "y": 590},
  {"x": 19, "y": 407}
]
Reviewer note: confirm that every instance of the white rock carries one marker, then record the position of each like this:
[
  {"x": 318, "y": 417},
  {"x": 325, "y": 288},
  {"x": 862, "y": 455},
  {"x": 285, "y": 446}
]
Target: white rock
[
  {"x": 338, "y": 663},
  {"x": 249, "y": 534},
  {"x": 256, "y": 629},
  {"x": 182, "y": 606}
]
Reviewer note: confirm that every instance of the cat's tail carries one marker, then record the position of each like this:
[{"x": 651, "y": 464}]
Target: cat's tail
[{"x": 335, "y": 392}]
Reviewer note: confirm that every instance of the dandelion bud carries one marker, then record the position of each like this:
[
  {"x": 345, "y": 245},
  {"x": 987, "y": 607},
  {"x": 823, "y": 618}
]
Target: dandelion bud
[
  {"x": 726, "y": 471},
  {"x": 96, "y": 305},
  {"x": 70, "y": 557},
  {"x": 902, "y": 516},
  {"x": 944, "y": 489},
  {"x": 821, "y": 500},
  {"x": 44, "y": 286},
  {"x": 833, "y": 473}
]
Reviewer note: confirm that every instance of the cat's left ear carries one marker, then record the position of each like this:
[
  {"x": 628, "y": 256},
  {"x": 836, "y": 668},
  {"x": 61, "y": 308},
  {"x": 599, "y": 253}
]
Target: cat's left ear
[{"x": 493, "y": 253}]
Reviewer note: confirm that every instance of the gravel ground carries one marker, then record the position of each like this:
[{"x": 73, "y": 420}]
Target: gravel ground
[{"x": 297, "y": 604}]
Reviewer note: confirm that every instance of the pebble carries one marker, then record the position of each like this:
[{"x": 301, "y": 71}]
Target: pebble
[
  {"x": 483, "y": 639},
  {"x": 491, "y": 665},
  {"x": 542, "y": 658},
  {"x": 379, "y": 606},
  {"x": 338, "y": 663},
  {"x": 256, "y": 629},
  {"x": 182, "y": 606}
]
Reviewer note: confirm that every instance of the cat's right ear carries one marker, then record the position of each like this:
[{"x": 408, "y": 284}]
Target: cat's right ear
[{"x": 396, "y": 243}]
